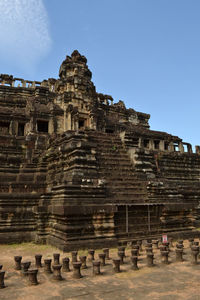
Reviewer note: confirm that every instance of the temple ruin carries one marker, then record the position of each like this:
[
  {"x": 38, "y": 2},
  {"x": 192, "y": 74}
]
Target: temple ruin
[{"x": 78, "y": 169}]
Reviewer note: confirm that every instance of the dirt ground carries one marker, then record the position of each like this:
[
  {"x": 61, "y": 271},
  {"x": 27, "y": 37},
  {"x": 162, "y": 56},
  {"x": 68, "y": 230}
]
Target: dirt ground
[{"x": 178, "y": 280}]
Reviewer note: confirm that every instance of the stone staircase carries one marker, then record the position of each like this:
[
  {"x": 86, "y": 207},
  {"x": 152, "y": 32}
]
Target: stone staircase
[
  {"x": 126, "y": 190},
  {"x": 116, "y": 169}
]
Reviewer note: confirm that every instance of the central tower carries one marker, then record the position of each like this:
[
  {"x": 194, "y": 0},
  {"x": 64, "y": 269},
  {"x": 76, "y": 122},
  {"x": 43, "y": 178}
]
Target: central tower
[{"x": 76, "y": 93}]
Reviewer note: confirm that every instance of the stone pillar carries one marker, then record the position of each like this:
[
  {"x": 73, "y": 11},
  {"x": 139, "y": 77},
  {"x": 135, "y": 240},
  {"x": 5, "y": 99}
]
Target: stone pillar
[
  {"x": 57, "y": 272},
  {"x": 83, "y": 262},
  {"x": 171, "y": 147},
  {"x": 122, "y": 248},
  {"x": 38, "y": 258},
  {"x": 136, "y": 247},
  {"x": 170, "y": 242},
  {"x": 179, "y": 255},
  {"x": 166, "y": 245},
  {"x": 24, "y": 267},
  {"x": 102, "y": 258},
  {"x": 151, "y": 144},
  {"x": 162, "y": 248},
  {"x": 164, "y": 255},
  {"x": 17, "y": 262},
  {"x": 134, "y": 260},
  {"x": 74, "y": 256},
  {"x": 116, "y": 265},
  {"x": 121, "y": 256},
  {"x": 2, "y": 274},
  {"x": 197, "y": 149},
  {"x": 148, "y": 248},
  {"x": 139, "y": 243},
  {"x": 96, "y": 267},
  {"x": 47, "y": 266},
  {"x": 32, "y": 276},
  {"x": 91, "y": 254},
  {"x": 162, "y": 145},
  {"x": 65, "y": 264},
  {"x": 23, "y": 83},
  {"x": 76, "y": 270},
  {"x": 155, "y": 243},
  {"x": 69, "y": 121},
  {"x": 56, "y": 258},
  {"x": 180, "y": 147},
  {"x": 106, "y": 251},
  {"x": 51, "y": 126},
  {"x": 194, "y": 253},
  {"x": 150, "y": 258}
]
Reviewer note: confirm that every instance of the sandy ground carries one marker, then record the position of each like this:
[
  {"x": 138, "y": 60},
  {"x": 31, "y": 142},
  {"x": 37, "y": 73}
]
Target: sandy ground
[{"x": 173, "y": 281}]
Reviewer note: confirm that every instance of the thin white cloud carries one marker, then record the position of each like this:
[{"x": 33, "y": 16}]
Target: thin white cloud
[{"x": 24, "y": 33}]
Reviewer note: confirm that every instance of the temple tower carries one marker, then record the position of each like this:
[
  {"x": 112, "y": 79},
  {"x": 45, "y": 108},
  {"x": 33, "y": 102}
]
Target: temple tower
[{"x": 76, "y": 94}]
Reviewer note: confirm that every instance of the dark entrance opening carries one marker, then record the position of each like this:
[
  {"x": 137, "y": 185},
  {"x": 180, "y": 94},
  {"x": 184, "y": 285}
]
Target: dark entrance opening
[
  {"x": 81, "y": 123},
  {"x": 20, "y": 129},
  {"x": 109, "y": 130},
  {"x": 43, "y": 126}
]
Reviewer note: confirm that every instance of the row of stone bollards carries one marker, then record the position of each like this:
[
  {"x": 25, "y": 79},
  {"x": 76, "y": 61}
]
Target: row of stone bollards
[{"x": 54, "y": 266}]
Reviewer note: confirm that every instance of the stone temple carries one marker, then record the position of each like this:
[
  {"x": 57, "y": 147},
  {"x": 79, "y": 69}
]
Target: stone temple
[{"x": 78, "y": 170}]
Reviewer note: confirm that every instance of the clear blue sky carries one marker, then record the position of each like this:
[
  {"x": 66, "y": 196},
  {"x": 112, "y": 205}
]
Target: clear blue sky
[{"x": 144, "y": 52}]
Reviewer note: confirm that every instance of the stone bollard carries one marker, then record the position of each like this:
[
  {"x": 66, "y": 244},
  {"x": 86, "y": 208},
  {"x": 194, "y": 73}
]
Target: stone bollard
[
  {"x": 116, "y": 265},
  {"x": 155, "y": 243},
  {"x": 149, "y": 249},
  {"x": 76, "y": 270},
  {"x": 17, "y": 262},
  {"x": 179, "y": 246},
  {"x": 139, "y": 243},
  {"x": 2, "y": 274},
  {"x": 96, "y": 267},
  {"x": 150, "y": 258},
  {"x": 136, "y": 247},
  {"x": 47, "y": 266},
  {"x": 91, "y": 254},
  {"x": 179, "y": 254},
  {"x": 38, "y": 258},
  {"x": 134, "y": 252},
  {"x": 170, "y": 239},
  {"x": 165, "y": 255},
  {"x": 65, "y": 264},
  {"x": 83, "y": 261},
  {"x": 191, "y": 242},
  {"x": 121, "y": 256},
  {"x": 134, "y": 260},
  {"x": 102, "y": 258},
  {"x": 166, "y": 244},
  {"x": 24, "y": 267},
  {"x": 180, "y": 242},
  {"x": 122, "y": 249},
  {"x": 106, "y": 251},
  {"x": 74, "y": 256},
  {"x": 194, "y": 253},
  {"x": 149, "y": 246},
  {"x": 32, "y": 276},
  {"x": 57, "y": 272},
  {"x": 56, "y": 258},
  {"x": 163, "y": 248}
]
